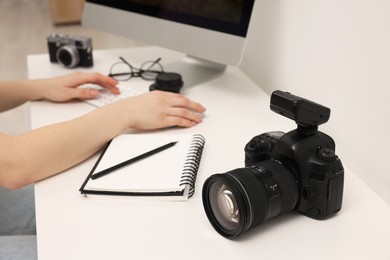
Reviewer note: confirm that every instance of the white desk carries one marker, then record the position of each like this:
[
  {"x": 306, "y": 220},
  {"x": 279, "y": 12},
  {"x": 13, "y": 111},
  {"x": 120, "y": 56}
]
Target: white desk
[{"x": 71, "y": 226}]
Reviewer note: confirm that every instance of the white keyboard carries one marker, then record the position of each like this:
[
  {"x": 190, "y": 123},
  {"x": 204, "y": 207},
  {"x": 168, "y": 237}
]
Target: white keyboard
[{"x": 106, "y": 97}]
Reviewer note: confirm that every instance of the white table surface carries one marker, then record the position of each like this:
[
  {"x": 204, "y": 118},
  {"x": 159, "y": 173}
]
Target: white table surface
[{"x": 71, "y": 226}]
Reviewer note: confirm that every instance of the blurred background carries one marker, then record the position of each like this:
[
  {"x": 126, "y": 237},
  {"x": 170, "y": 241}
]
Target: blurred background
[{"x": 24, "y": 26}]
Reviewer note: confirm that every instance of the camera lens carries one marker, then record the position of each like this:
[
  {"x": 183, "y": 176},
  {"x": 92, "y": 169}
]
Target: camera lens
[
  {"x": 224, "y": 207},
  {"x": 68, "y": 56},
  {"x": 241, "y": 199}
]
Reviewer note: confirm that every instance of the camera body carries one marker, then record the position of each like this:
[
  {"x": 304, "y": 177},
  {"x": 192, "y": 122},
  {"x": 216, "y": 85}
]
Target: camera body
[
  {"x": 70, "y": 51},
  {"x": 311, "y": 159},
  {"x": 294, "y": 171}
]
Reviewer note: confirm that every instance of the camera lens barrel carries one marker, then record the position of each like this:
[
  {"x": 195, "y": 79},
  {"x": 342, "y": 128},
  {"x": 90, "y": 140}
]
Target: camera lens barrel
[
  {"x": 168, "y": 81},
  {"x": 68, "y": 56},
  {"x": 241, "y": 199}
]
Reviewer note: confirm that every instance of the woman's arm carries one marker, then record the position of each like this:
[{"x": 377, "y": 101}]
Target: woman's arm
[
  {"x": 43, "y": 152},
  {"x": 58, "y": 89}
]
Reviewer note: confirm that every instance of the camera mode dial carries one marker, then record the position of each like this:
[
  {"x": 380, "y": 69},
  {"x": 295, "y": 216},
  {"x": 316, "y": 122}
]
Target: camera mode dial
[{"x": 326, "y": 154}]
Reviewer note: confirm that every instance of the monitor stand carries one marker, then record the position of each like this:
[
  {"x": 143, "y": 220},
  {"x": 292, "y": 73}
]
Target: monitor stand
[{"x": 195, "y": 71}]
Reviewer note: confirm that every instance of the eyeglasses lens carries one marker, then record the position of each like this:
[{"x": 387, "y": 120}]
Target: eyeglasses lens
[
  {"x": 121, "y": 71},
  {"x": 150, "y": 70}
]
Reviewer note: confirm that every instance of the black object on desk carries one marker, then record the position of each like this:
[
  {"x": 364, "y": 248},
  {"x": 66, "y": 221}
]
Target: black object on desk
[{"x": 168, "y": 81}]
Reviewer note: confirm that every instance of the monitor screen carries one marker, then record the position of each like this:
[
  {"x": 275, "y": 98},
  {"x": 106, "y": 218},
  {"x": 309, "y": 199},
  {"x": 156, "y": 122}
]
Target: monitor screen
[{"x": 211, "y": 31}]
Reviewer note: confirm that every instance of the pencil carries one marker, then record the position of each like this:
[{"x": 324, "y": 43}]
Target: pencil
[{"x": 132, "y": 160}]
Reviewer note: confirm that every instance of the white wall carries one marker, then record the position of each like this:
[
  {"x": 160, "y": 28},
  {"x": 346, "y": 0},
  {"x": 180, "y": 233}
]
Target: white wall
[{"x": 337, "y": 53}]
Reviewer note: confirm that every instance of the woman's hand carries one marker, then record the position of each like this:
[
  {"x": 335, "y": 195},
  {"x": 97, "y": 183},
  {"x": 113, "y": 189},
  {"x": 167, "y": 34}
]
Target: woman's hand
[
  {"x": 64, "y": 88},
  {"x": 159, "y": 109}
]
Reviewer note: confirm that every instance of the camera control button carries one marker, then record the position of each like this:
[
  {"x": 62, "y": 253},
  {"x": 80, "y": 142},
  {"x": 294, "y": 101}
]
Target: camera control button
[
  {"x": 309, "y": 192},
  {"x": 314, "y": 212},
  {"x": 326, "y": 154}
]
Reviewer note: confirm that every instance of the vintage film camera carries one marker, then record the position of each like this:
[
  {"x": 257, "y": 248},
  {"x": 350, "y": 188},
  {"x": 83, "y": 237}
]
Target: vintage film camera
[
  {"x": 70, "y": 51},
  {"x": 296, "y": 171}
]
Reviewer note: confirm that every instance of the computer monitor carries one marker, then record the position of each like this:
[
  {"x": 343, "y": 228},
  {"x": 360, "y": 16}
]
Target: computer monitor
[{"x": 211, "y": 33}]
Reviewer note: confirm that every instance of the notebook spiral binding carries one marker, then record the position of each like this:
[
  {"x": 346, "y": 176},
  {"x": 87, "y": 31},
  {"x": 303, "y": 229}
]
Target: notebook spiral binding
[{"x": 192, "y": 163}]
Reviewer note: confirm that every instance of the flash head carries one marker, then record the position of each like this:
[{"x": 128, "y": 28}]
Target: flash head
[{"x": 304, "y": 112}]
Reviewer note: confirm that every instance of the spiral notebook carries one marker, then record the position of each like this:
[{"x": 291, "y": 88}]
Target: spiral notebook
[{"x": 171, "y": 172}]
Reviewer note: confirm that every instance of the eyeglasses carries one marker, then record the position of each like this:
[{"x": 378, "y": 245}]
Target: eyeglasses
[{"x": 123, "y": 70}]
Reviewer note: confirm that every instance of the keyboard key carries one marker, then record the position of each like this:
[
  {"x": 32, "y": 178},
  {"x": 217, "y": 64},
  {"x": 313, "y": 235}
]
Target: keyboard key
[{"x": 106, "y": 97}]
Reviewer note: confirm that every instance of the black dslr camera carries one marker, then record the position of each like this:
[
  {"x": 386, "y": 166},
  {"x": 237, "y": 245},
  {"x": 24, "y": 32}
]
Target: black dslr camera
[
  {"x": 297, "y": 171},
  {"x": 70, "y": 51}
]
